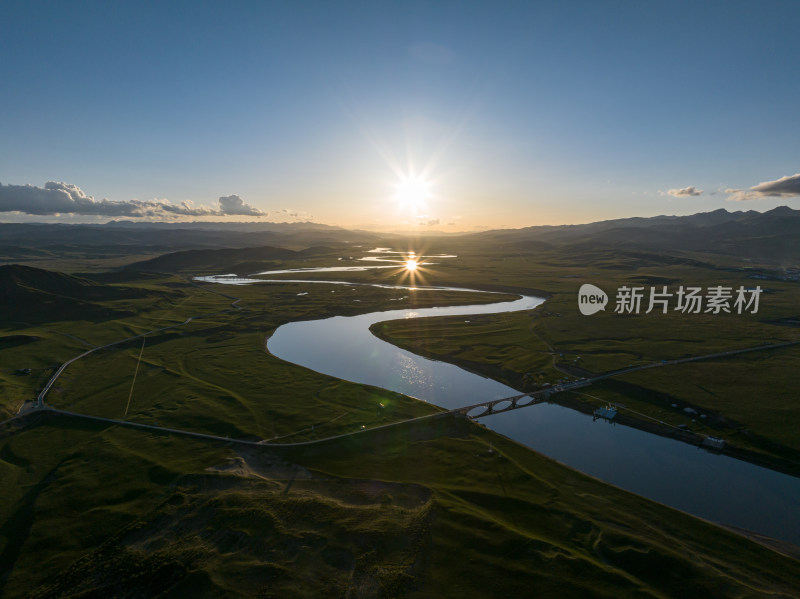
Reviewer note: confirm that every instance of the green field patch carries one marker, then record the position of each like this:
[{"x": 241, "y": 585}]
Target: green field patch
[{"x": 434, "y": 508}]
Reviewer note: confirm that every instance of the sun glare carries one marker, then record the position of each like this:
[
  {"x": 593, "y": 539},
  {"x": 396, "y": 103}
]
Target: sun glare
[
  {"x": 412, "y": 193},
  {"x": 412, "y": 268}
]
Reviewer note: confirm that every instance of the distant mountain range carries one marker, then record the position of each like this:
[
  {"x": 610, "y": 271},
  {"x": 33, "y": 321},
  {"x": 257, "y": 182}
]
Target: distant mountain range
[
  {"x": 772, "y": 236},
  {"x": 252, "y": 227},
  {"x": 172, "y": 236}
]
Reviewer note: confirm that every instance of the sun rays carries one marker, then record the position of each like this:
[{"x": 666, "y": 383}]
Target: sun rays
[
  {"x": 412, "y": 268},
  {"x": 412, "y": 194}
]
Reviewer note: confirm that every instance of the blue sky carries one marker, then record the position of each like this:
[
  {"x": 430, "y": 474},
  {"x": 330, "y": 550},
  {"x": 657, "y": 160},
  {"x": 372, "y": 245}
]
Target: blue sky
[{"x": 511, "y": 113}]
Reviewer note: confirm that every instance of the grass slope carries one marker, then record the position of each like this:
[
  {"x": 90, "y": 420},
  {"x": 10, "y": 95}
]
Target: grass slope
[
  {"x": 424, "y": 510},
  {"x": 416, "y": 511}
]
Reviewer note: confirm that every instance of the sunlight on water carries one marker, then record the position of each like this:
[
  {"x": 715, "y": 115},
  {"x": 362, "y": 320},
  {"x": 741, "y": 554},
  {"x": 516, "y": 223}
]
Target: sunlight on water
[{"x": 713, "y": 486}]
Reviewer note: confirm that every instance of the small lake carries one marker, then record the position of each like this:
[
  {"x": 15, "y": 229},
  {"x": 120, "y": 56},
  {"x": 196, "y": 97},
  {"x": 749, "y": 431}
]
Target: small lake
[{"x": 708, "y": 485}]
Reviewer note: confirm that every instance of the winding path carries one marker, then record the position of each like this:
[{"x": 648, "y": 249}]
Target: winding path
[
  {"x": 490, "y": 406},
  {"x": 766, "y": 501},
  {"x": 39, "y": 403}
]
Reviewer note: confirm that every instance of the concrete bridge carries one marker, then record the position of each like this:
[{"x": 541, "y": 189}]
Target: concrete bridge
[
  {"x": 515, "y": 402},
  {"x": 495, "y": 406}
]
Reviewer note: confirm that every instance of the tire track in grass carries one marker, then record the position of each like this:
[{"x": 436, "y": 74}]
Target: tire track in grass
[{"x": 135, "y": 373}]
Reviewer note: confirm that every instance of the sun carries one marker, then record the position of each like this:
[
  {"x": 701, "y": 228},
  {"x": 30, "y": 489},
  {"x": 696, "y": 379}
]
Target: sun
[
  {"x": 412, "y": 268},
  {"x": 412, "y": 193}
]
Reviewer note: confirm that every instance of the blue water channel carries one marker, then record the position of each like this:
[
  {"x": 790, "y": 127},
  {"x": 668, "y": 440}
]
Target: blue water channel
[{"x": 709, "y": 485}]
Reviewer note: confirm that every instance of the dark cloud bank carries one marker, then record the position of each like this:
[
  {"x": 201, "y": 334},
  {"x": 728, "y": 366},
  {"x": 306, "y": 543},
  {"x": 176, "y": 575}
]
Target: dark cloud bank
[{"x": 65, "y": 198}]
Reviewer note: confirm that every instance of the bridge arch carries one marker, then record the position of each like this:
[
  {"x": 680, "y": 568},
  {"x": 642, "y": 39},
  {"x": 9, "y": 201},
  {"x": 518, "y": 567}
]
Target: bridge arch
[{"x": 478, "y": 411}]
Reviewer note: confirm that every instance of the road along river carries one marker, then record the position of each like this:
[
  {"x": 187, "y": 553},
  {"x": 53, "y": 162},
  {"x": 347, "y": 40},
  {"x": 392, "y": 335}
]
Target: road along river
[{"x": 712, "y": 486}]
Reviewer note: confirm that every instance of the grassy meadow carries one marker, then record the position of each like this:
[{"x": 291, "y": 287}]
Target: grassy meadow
[
  {"x": 441, "y": 507},
  {"x": 748, "y": 399},
  {"x": 212, "y": 374}
]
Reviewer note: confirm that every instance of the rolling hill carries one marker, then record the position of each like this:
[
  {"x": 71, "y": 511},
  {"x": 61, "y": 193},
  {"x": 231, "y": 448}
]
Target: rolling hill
[{"x": 36, "y": 294}]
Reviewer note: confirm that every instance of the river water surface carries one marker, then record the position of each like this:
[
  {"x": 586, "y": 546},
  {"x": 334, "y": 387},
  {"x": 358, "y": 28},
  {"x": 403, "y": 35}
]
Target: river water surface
[{"x": 709, "y": 485}]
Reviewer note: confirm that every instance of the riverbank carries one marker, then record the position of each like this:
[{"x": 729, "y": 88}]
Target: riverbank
[
  {"x": 624, "y": 418},
  {"x": 95, "y": 507},
  {"x": 586, "y": 406}
]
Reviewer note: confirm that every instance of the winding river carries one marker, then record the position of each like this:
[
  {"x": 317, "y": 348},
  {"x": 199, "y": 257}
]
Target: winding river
[{"x": 712, "y": 486}]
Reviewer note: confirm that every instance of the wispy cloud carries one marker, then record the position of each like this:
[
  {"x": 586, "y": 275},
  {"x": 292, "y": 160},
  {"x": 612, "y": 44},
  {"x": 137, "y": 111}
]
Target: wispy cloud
[
  {"x": 685, "y": 192},
  {"x": 299, "y": 215},
  {"x": 785, "y": 187},
  {"x": 64, "y": 198}
]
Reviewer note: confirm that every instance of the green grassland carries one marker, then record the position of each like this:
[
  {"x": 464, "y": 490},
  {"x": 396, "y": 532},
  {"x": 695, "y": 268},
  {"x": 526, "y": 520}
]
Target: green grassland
[
  {"x": 212, "y": 374},
  {"x": 505, "y": 345},
  {"x": 51, "y": 337},
  {"x": 416, "y": 510},
  {"x": 443, "y": 508},
  {"x": 65, "y": 258},
  {"x": 750, "y": 399}
]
